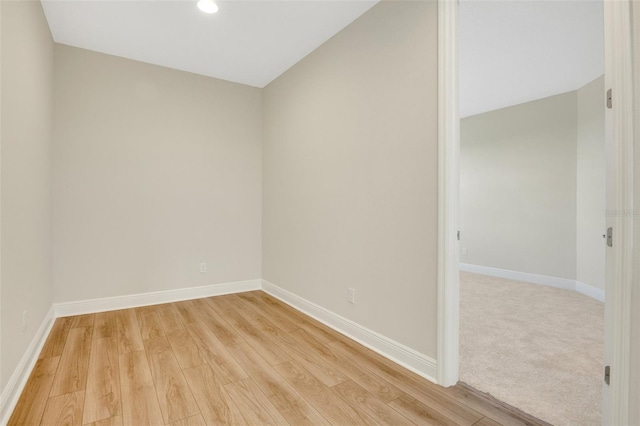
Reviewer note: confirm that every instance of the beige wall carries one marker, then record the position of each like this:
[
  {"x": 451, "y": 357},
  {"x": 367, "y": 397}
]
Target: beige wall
[
  {"x": 27, "y": 89},
  {"x": 518, "y": 187},
  {"x": 2, "y": 380},
  {"x": 590, "y": 185},
  {"x": 350, "y": 174},
  {"x": 510, "y": 160},
  {"x": 154, "y": 171},
  {"x": 635, "y": 323}
]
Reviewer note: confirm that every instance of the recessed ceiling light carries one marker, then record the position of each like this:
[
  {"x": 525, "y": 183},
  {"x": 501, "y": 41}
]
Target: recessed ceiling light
[{"x": 207, "y": 6}]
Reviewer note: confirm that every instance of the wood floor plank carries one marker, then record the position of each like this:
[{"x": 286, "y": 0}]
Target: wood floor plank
[
  {"x": 318, "y": 330},
  {"x": 147, "y": 309},
  {"x": 105, "y": 325},
  {"x": 187, "y": 311},
  {"x": 225, "y": 366},
  {"x": 149, "y": 323},
  {"x": 369, "y": 406},
  {"x": 174, "y": 395},
  {"x": 419, "y": 413},
  {"x": 487, "y": 422},
  {"x": 216, "y": 322},
  {"x": 82, "y": 321},
  {"x": 254, "y": 406},
  {"x": 54, "y": 344},
  {"x": 249, "y": 332},
  {"x": 374, "y": 384},
  {"x": 263, "y": 374},
  {"x": 280, "y": 320},
  {"x": 191, "y": 421},
  {"x": 406, "y": 382},
  {"x": 185, "y": 349},
  {"x": 315, "y": 328},
  {"x": 112, "y": 421},
  {"x": 64, "y": 410},
  {"x": 33, "y": 399},
  {"x": 311, "y": 361},
  {"x": 129, "y": 337},
  {"x": 255, "y": 318},
  {"x": 321, "y": 397},
  {"x": 102, "y": 397},
  {"x": 140, "y": 405},
  {"x": 214, "y": 402},
  {"x": 295, "y": 409},
  {"x": 74, "y": 362},
  {"x": 170, "y": 318}
]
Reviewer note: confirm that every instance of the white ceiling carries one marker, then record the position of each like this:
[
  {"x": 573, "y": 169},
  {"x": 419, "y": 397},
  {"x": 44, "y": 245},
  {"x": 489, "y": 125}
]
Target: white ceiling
[
  {"x": 511, "y": 51},
  {"x": 518, "y": 51},
  {"x": 249, "y": 42}
]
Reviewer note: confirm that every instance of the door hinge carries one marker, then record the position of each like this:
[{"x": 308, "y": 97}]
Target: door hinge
[
  {"x": 458, "y": 235},
  {"x": 609, "y": 99},
  {"x": 610, "y": 236},
  {"x": 607, "y": 374}
]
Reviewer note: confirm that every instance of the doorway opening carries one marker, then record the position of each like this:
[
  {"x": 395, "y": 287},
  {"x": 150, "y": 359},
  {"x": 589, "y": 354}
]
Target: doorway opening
[
  {"x": 532, "y": 203},
  {"x": 618, "y": 41}
]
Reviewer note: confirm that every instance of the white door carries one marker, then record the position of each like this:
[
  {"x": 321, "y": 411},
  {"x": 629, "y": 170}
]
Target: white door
[{"x": 620, "y": 213}]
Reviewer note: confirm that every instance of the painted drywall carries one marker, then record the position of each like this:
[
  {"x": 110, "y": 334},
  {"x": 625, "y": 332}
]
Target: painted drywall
[
  {"x": 518, "y": 187},
  {"x": 350, "y": 174},
  {"x": 634, "y": 394},
  {"x": 590, "y": 185},
  {"x": 27, "y": 103},
  {"x": 154, "y": 172},
  {"x": 510, "y": 160},
  {"x": 2, "y": 382}
]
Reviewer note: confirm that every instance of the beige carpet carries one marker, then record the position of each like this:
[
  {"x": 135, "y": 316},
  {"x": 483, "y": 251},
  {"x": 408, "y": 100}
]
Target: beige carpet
[{"x": 534, "y": 347}]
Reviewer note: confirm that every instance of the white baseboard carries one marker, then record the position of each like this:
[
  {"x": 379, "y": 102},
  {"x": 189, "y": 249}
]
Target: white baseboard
[
  {"x": 562, "y": 283},
  {"x": 12, "y": 391},
  {"x": 136, "y": 300},
  {"x": 520, "y": 276},
  {"x": 592, "y": 292},
  {"x": 396, "y": 352}
]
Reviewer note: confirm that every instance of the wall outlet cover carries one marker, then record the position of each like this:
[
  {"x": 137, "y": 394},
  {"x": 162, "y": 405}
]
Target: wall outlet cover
[{"x": 351, "y": 295}]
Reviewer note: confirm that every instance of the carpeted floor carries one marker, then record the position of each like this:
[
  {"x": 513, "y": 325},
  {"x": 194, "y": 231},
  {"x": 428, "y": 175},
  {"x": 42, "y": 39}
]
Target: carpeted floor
[{"x": 534, "y": 347}]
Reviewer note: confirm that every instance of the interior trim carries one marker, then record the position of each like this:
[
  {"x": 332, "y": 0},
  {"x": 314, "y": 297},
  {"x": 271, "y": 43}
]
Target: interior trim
[
  {"x": 618, "y": 36},
  {"x": 448, "y": 292},
  {"x": 397, "y": 352},
  {"x": 158, "y": 297},
  {"x": 563, "y": 283},
  {"x": 12, "y": 391}
]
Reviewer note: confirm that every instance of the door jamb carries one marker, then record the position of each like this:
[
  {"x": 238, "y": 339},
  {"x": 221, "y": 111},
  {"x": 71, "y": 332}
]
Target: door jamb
[{"x": 448, "y": 188}]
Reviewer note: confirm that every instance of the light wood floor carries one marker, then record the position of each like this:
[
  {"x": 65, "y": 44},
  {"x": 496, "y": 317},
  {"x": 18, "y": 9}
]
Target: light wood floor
[{"x": 238, "y": 359}]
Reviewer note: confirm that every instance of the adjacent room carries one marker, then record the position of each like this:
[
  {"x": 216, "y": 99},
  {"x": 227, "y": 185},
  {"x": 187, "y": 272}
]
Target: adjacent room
[{"x": 532, "y": 206}]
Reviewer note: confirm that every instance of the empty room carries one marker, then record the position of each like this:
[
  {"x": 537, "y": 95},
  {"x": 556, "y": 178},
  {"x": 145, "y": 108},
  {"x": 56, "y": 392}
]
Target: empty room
[
  {"x": 532, "y": 206},
  {"x": 245, "y": 212}
]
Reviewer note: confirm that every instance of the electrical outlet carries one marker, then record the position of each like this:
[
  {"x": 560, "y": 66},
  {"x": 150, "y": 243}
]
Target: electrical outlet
[
  {"x": 24, "y": 320},
  {"x": 203, "y": 268},
  {"x": 464, "y": 252},
  {"x": 351, "y": 295}
]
